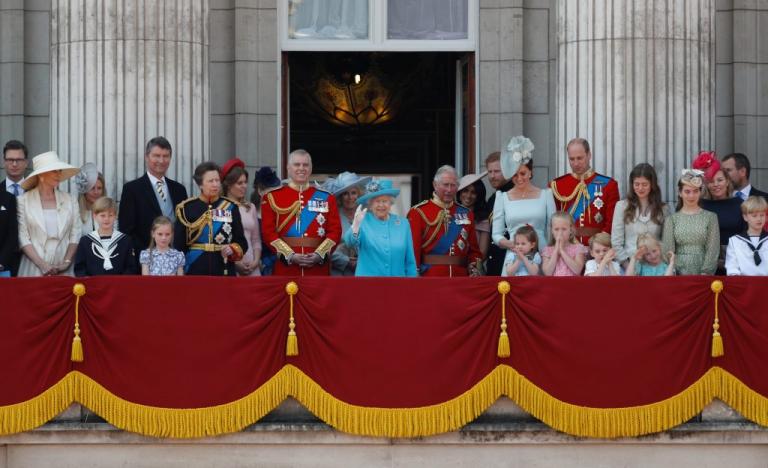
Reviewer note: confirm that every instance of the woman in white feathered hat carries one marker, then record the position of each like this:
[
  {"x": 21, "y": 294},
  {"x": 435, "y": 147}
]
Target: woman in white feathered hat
[{"x": 49, "y": 224}]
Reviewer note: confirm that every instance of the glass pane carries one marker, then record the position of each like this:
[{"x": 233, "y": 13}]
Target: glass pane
[
  {"x": 328, "y": 19},
  {"x": 427, "y": 19}
]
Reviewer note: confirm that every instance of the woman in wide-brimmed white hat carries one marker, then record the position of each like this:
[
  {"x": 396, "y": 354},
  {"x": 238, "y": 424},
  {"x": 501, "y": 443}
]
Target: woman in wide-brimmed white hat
[{"x": 49, "y": 224}]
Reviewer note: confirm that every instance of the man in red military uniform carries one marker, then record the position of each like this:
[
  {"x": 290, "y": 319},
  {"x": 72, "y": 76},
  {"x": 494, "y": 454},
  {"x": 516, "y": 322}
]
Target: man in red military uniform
[
  {"x": 588, "y": 196},
  {"x": 300, "y": 223},
  {"x": 444, "y": 238}
]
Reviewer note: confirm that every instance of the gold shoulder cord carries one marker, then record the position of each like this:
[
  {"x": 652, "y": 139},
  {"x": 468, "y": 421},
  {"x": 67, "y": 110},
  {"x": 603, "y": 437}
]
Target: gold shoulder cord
[
  {"x": 440, "y": 218},
  {"x": 292, "y": 210},
  {"x": 579, "y": 192},
  {"x": 194, "y": 228}
]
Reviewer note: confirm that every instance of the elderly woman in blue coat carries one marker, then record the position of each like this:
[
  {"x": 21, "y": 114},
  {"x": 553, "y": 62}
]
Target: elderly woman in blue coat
[{"x": 383, "y": 239}]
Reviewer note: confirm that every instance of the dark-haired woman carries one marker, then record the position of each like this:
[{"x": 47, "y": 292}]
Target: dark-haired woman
[
  {"x": 234, "y": 181},
  {"x": 208, "y": 228},
  {"x": 471, "y": 194},
  {"x": 640, "y": 213}
]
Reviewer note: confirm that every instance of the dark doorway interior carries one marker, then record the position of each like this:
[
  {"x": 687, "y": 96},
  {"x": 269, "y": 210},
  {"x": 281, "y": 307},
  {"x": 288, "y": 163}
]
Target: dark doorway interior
[{"x": 375, "y": 113}]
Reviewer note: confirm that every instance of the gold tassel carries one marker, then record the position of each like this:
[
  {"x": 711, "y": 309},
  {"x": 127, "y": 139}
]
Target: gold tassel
[
  {"x": 503, "y": 349},
  {"x": 292, "y": 345},
  {"x": 717, "y": 340},
  {"x": 77, "y": 344}
]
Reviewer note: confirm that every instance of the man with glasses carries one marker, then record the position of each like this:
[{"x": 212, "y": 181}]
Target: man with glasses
[{"x": 15, "y": 164}]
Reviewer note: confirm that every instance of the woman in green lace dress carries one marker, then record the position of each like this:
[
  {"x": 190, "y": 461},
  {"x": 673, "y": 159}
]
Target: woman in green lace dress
[{"x": 692, "y": 233}]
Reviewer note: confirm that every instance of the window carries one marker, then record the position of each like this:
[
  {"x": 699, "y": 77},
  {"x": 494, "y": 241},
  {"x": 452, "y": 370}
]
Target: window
[{"x": 383, "y": 25}]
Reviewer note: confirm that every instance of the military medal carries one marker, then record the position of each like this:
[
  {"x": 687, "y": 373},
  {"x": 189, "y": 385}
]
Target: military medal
[
  {"x": 599, "y": 218},
  {"x": 219, "y": 238},
  {"x": 227, "y": 228},
  {"x": 321, "y": 231},
  {"x": 320, "y": 219},
  {"x": 464, "y": 233},
  {"x": 461, "y": 244}
]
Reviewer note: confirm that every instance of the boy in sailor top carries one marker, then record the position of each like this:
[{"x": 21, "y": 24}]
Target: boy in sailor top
[
  {"x": 747, "y": 253},
  {"x": 105, "y": 251}
]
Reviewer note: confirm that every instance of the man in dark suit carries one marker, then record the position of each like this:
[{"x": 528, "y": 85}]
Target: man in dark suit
[
  {"x": 15, "y": 162},
  {"x": 9, "y": 234},
  {"x": 495, "y": 259},
  {"x": 150, "y": 196},
  {"x": 736, "y": 166}
]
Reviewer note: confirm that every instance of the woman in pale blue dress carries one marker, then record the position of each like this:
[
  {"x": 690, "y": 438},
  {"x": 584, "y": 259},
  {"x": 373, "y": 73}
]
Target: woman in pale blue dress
[
  {"x": 524, "y": 203},
  {"x": 383, "y": 239},
  {"x": 347, "y": 187}
]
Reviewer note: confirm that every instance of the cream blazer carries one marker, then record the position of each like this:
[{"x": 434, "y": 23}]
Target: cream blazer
[{"x": 32, "y": 229}]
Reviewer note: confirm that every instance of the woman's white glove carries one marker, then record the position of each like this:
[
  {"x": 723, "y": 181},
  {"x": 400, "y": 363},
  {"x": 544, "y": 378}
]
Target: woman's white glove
[{"x": 359, "y": 215}]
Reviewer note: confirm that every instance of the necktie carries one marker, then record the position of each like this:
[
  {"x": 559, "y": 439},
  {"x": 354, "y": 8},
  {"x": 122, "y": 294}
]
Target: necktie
[
  {"x": 160, "y": 190},
  {"x": 741, "y": 195},
  {"x": 15, "y": 189}
]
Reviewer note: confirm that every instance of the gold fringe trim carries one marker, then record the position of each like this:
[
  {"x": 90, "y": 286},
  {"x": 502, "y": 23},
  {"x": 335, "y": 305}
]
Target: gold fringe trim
[{"x": 386, "y": 422}]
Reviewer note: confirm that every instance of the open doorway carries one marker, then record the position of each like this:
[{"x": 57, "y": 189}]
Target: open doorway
[{"x": 395, "y": 114}]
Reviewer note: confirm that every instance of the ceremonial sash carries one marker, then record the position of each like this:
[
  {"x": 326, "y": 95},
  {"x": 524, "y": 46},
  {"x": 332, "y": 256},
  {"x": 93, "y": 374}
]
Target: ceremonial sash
[
  {"x": 205, "y": 236},
  {"x": 445, "y": 241},
  {"x": 578, "y": 205},
  {"x": 306, "y": 217}
]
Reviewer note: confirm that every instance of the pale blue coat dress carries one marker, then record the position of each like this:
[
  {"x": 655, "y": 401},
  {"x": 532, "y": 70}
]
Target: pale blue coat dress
[
  {"x": 509, "y": 215},
  {"x": 385, "y": 247}
]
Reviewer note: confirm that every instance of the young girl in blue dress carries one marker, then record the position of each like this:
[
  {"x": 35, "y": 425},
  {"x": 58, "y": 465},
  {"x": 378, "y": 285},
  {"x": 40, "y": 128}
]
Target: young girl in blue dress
[
  {"x": 648, "y": 260},
  {"x": 527, "y": 261},
  {"x": 160, "y": 259}
]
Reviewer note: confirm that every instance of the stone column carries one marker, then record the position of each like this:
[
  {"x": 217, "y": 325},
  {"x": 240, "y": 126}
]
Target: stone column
[
  {"x": 636, "y": 79},
  {"x": 124, "y": 72}
]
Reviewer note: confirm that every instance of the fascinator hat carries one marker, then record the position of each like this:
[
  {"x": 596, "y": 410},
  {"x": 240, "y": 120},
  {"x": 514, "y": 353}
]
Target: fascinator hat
[
  {"x": 707, "y": 162},
  {"x": 377, "y": 188},
  {"x": 266, "y": 180},
  {"x": 692, "y": 177},
  {"x": 229, "y": 165},
  {"x": 48, "y": 162},
  {"x": 86, "y": 178},
  {"x": 518, "y": 151},
  {"x": 344, "y": 182}
]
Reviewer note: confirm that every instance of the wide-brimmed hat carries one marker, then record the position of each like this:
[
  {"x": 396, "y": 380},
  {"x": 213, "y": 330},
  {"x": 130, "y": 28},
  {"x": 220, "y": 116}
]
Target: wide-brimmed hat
[
  {"x": 470, "y": 179},
  {"x": 48, "y": 162},
  {"x": 707, "y": 162},
  {"x": 266, "y": 180},
  {"x": 86, "y": 179},
  {"x": 344, "y": 182},
  {"x": 518, "y": 151},
  {"x": 377, "y": 188}
]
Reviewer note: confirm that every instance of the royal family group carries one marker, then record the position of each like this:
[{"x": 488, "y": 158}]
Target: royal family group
[{"x": 577, "y": 225}]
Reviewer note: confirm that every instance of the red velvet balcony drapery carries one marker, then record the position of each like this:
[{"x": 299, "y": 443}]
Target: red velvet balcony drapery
[{"x": 196, "y": 356}]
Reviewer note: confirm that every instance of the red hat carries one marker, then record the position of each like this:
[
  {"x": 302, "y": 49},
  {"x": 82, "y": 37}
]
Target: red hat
[
  {"x": 229, "y": 165},
  {"x": 707, "y": 162}
]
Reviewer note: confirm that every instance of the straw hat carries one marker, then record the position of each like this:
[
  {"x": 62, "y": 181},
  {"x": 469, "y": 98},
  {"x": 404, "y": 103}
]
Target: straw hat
[{"x": 48, "y": 162}]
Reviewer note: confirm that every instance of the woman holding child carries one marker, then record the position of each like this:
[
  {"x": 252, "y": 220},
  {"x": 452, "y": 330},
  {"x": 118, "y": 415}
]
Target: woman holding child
[{"x": 524, "y": 204}]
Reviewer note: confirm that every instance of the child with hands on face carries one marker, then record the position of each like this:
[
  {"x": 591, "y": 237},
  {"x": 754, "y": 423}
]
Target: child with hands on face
[
  {"x": 564, "y": 256},
  {"x": 648, "y": 260},
  {"x": 527, "y": 259},
  {"x": 603, "y": 261}
]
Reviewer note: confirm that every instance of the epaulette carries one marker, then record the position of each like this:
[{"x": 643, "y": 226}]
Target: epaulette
[
  {"x": 181, "y": 205},
  {"x": 420, "y": 204}
]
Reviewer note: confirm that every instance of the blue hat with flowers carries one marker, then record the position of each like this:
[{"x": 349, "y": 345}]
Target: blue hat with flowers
[
  {"x": 518, "y": 151},
  {"x": 377, "y": 188}
]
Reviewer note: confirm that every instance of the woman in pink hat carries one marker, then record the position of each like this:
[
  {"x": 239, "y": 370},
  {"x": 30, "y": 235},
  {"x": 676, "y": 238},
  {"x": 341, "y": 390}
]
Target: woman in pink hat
[{"x": 49, "y": 224}]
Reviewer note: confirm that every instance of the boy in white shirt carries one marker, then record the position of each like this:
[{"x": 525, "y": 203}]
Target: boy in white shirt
[
  {"x": 747, "y": 253},
  {"x": 603, "y": 261}
]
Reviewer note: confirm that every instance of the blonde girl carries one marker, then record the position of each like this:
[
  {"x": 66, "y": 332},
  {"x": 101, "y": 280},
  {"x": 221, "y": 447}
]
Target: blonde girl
[
  {"x": 564, "y": 256},
  {"x": 648, "y": 260},
  {"x": 160, "y": 259}
]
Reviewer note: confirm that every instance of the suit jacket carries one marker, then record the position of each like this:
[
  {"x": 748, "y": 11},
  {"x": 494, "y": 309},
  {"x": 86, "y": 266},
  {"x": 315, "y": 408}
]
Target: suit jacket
[
  {"x": 757, "y": 193},
  {"x": 32, "y": 229},
  {"x": 139, "y": 207},
  {"x": 9, "y": 232}
]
